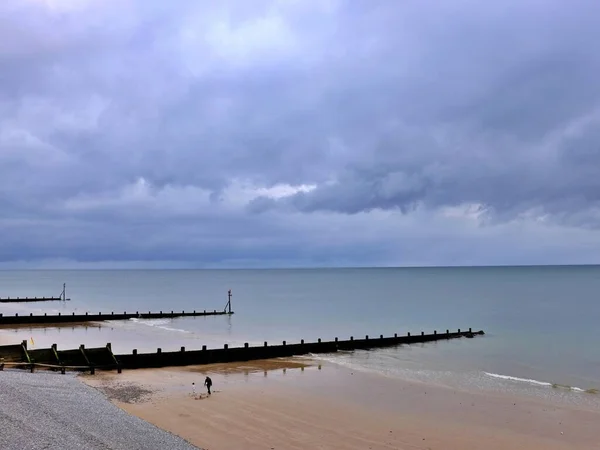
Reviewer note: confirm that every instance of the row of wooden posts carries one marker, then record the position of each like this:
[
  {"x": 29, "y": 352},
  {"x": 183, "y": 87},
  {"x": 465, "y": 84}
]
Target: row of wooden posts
[{"x": 103, "y": 358}]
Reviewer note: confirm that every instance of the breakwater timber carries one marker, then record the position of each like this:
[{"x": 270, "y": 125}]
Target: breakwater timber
[
  {"x": 32, "y": 319},
  {"x": 61, "y": 297},
  {"x": 103, "y": 358}
]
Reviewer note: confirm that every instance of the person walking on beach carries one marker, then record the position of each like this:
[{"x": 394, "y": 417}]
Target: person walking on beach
[{"x": 208, "y": 384}]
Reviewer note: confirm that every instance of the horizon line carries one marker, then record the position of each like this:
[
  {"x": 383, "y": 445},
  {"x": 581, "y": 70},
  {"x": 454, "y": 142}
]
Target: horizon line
[{"x": 465, "y": 266}]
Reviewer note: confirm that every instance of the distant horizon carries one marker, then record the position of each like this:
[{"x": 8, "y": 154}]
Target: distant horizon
[{"x": 5, "y": 269}]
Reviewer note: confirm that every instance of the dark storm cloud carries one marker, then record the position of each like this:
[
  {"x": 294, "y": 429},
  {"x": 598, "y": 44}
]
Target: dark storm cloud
[{"x": 136, "y": 130}]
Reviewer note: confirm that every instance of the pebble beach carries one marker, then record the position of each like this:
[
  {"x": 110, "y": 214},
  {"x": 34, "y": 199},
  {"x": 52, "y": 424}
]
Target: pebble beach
[{"x": 47, "y": 410}]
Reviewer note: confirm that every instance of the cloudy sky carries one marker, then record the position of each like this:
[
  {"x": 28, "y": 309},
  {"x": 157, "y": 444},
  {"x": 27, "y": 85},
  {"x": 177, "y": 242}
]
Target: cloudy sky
[{"x": 268, "y": 133}]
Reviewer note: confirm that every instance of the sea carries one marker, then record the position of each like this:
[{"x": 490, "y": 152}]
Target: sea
[{"x": 541, "y": 323}]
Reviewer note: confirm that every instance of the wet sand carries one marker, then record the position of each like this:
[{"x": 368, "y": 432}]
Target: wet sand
[
  {"x": 68, "y": 335},
  {"x": 291, "y": 405},
  {"x": 16, "y": 328}
]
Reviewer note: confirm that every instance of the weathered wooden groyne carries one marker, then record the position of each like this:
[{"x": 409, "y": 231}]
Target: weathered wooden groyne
[
  {"x": 104, "y": 359},
  {"x": 52, "y": 358},
  {"x": 29, "y": 299},
  {"x": 100, "y": 317},
  {"x": 61, "y": 297}
]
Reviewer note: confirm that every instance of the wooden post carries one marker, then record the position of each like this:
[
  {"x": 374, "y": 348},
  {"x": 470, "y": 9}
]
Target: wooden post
[
  {"x": 229, "y": 300},
  {"x": 82, "y": 351}
]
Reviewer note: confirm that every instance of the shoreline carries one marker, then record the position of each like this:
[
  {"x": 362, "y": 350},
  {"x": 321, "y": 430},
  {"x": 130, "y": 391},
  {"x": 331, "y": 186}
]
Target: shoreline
[
  {"x": 294, "y": 404},
  {"x": 49, "y": 326}
]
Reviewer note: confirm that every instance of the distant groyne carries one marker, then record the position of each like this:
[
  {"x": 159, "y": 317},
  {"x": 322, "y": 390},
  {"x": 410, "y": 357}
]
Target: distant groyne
[
  {"x": 49, "y": 319},
  {"x": 61, "y": 297}
]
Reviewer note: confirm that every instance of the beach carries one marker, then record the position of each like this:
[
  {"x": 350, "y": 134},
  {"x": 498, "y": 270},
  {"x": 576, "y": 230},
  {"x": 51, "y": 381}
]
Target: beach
[
  {"x": 524, "y": 384},
  {"x": 291, "y": 405},
  {"x": 47, "y": 410}
]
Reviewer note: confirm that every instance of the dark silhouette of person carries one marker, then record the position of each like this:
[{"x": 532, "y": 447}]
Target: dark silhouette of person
[{"x": 208, "y": 384}]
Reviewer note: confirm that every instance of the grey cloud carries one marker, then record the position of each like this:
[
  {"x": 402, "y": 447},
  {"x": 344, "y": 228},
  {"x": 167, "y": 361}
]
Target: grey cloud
[{"x": 379, "y": 105}]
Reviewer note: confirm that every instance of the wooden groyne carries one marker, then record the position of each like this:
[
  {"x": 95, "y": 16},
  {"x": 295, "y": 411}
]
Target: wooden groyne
[
  {"x": 29, "y": 299},
  {"x": 81, "y": 359},
  {"x": 103, "y": 358},
  {"x": 61, "y": 297},
  {"x": 100, "y": 317}
]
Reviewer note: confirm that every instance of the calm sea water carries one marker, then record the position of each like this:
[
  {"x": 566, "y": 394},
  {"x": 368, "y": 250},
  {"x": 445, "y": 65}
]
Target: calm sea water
[{"x": 541, "y": 323}]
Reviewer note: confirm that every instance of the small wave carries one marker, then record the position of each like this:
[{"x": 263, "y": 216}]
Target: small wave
[
  {"x": 178, "y": 330},
  {"x": 540, "y": 383},
  {"x": 158, "y": 323},
  {"x": 151, "y": 322},
  {"x": 522, "y": 380}
]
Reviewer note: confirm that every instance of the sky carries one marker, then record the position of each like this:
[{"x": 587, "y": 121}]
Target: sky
[{"x": 297, "y": 133}]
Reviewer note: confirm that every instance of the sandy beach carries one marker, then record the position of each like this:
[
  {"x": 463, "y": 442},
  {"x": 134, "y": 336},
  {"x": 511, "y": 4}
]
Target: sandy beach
[{"x": 291, "y": 405}]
